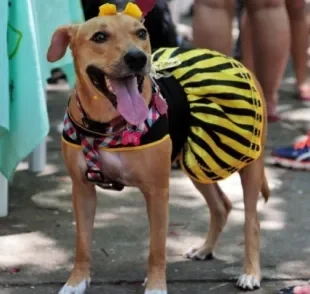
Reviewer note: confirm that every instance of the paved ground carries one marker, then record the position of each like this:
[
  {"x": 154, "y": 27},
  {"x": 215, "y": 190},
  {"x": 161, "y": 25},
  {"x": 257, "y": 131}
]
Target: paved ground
[{"x": 37, "y": 239}]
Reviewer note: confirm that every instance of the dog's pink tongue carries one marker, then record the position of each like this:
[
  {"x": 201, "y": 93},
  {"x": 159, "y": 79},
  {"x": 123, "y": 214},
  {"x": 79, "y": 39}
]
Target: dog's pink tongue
[{"x": 130, "y": 103}]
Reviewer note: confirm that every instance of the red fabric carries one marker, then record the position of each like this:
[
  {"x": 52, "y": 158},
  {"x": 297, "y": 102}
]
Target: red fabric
[{"x": 145, "y": 5}]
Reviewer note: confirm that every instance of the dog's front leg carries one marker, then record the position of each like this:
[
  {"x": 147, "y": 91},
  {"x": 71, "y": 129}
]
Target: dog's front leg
[
  {"x": 157, "y": 208},
  {"x": 84, "y": 204}
]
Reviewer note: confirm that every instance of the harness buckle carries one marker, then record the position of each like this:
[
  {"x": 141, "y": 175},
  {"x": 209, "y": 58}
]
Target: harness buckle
[{"x": 96, "y": 177}]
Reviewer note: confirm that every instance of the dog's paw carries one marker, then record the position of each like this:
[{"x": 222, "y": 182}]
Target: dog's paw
[
  {"x": 199, "y": 254},
  {"x": 78, "y": 289},
  {"x": 155, "y": 291},
  {"x": 247, "y": 282}
]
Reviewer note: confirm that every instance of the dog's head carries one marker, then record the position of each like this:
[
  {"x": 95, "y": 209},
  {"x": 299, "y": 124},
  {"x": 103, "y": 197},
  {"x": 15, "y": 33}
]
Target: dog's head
[{"x": 112, "y": 55}]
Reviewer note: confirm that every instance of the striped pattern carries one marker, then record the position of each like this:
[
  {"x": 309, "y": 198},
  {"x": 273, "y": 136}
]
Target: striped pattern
[{"x": 226, "y": 113}]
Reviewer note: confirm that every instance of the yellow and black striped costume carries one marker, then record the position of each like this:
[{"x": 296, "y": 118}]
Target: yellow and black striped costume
[{"x": 220, "y": 127}]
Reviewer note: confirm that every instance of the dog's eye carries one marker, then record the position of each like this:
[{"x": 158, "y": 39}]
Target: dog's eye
[
  {"x": 142, "y": 34},
  {"x": 99, "y": 37}
]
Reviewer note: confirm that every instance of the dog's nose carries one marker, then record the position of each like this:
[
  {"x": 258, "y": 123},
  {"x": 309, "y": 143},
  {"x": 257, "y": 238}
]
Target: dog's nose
[{"x": 135, "y": 59}]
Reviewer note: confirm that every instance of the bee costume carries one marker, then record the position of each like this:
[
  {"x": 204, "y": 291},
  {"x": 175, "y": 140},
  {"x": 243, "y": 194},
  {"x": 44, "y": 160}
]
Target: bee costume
[
  {"x": 214, "y": 119},
  {"x": 215, "y": 111}
]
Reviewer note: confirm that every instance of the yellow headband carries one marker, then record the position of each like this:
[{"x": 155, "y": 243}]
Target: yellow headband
[{"x": 131, "y": 9}]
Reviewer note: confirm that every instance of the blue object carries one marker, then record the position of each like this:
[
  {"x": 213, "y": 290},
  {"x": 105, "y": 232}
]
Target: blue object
[
  {"x": 26, "y": 28},
  {"x": 296, "y": 156}
]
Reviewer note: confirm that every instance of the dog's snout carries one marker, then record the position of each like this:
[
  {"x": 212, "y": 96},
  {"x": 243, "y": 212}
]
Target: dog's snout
[{"x": 135, "y": 59}]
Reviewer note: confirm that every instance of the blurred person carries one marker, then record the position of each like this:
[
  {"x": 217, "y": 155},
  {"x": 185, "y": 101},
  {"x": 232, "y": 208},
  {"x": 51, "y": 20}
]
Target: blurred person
[
  {"x": 299, "y": 44},
  {"x": 299, "y": 32},
  {"x": 212, "y": 25}
]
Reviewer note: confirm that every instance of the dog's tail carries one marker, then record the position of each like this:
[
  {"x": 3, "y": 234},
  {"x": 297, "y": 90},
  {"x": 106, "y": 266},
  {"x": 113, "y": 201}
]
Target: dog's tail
[{"x": 265, "y": 188}]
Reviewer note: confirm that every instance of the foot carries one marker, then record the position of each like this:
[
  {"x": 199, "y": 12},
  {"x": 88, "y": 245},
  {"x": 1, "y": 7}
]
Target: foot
[
  {"x": 78, "y": 282},
  {"x": 75, "y": 289},
  {"x": 248, "y": 282},
  {"x": 202, "y": 253},
  {"x": 296, "y": 156},
  {"x": 304, "y": 92},
  {"x": 296, "y": 290},
  {"x": 272, "y": 113},
  {"x": 155, "y": 283},
  {"x": 273, "y": 118}
]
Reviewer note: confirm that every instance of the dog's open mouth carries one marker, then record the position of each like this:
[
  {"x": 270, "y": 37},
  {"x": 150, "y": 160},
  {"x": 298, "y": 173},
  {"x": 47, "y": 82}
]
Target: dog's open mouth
[{"x": 124, "y": 93}]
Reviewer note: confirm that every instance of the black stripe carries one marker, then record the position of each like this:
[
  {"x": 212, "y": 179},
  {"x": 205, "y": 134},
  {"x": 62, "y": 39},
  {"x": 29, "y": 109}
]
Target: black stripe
[
  {"x": 204, "y": 145},
  {"x": 157, "y": 55},
  {"x": 230, "y": 96},
  {"x": 239, "y": 111},
  {"x": 211, "y": 69},
  {"x": 220, "y": 129},
  {"x": 219, "y": 113},
  {"x": 204, "y": 166},
  {"x": 214, "y": 82},
  {"x": 226, "y": 148},
  {"x": 189, "y": 171},
  {"x": 243, "y": 75},
  {"x": 178, "y": 51},
  {"x": 193, "y": 60}
]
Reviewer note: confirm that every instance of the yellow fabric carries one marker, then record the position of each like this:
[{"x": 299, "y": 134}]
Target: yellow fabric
[{"x": 226, "y": 112}]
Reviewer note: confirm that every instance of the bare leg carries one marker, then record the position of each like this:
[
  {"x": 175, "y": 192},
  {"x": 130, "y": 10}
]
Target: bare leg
[
  {"x": 299, "y": 32},
  {"x": 220, "y": 207},
  {"x": 270, "y": 26},
  {"x": 212, "y": 24},
  {"x": 246, "y": 43}
]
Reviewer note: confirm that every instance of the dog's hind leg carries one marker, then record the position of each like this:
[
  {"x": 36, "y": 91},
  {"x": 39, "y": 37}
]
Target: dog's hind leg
[
  {"x": 220, "y": 207},
  {"x": 84, "y": 203},
  {"x": 253, "y": 181}
]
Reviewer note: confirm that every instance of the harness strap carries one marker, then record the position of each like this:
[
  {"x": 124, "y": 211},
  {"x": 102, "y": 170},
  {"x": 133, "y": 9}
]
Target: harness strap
[
  {"x": 131, "y": 135},
  {"x": 92, "y": 157}
]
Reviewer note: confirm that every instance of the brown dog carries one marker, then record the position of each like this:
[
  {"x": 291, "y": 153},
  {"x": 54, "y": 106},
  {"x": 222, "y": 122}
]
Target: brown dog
[{"x": 112, "y": 57}]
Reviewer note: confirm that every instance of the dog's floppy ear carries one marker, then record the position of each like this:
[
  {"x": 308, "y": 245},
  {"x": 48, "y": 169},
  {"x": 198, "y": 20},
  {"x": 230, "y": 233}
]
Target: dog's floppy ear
[
  {"x": 60, "y": 42},
  {"x": 145, "y": 5}
]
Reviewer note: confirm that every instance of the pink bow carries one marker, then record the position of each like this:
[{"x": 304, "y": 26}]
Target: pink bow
[
  {"x": 131, "y": 137},
  {"x": 145, "y": 5}
]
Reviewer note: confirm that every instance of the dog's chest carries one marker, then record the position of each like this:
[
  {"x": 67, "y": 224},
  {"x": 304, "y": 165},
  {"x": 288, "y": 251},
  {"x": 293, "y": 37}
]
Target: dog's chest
[{"x": 115, "y": 167}]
